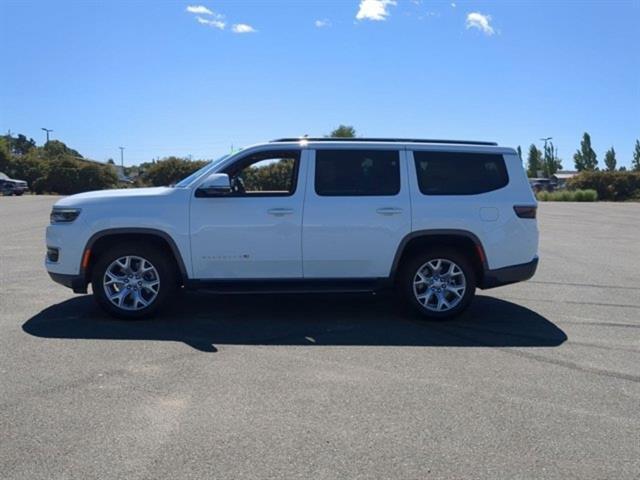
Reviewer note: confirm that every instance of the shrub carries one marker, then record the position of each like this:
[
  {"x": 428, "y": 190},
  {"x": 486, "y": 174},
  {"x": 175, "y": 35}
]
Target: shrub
[
  {"x": 585, "y": 196},
  {"x": 67, "y": 176},
  {"x": 565, "y": 196},
  {"x": 543, "y": 196},
  {"x": 92, "y": 176},
  {"x": 616, "y": 186},
  {"x": 568, "y": 196},
  {"x": 170, "y": 170},
  {"x": 269, "y": 177}
]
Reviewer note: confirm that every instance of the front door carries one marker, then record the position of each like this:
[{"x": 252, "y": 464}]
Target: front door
[
  {"x": 357, "y": 211},
  {"x": 255, "y": 231}
]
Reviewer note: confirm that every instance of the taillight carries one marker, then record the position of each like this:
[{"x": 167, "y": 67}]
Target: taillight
[{"x": 525, "y": 211}]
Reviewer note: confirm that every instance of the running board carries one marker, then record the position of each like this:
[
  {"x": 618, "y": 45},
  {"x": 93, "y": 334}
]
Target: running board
[{"x": 241, "y": 286}]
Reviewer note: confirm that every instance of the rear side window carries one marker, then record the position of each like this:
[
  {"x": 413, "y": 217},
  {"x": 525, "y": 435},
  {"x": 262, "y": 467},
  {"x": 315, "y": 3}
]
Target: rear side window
[
  {"x": 457, "y": 173},
  {"x": 357, "y": 172}
]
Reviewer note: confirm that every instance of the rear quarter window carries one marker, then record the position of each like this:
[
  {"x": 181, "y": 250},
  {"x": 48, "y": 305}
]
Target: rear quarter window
[{"x": 459, "y": 173}]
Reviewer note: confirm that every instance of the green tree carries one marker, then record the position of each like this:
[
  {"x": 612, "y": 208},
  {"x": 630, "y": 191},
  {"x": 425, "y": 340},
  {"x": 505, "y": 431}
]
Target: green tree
[
  {"x": 616, "y": 186},
  {"x": 170, "y": 170},
  {"x": 551, "y": 162},
  {"x": 635, "y": 164},
  {"x": 92, "y": 176},
  {"x": 610, "y": 160},
  {"x": 534, "y": 161},
  {"x": 21, "y": 145},
  {"x": 585, "y": 158},
  {"x": 56, "y": 148},
  {"x": 272, "y": 176},
  {"x": 31, "y": 166},
  {"x": 343, "y": 131},
  {"x": 53, "y": 168},
  {"x": 5, "y": 156},
  {"x": 63, "y": 176}
]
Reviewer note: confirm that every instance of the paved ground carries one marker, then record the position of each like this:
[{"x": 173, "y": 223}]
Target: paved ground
[{"x": 537, "y": 380}]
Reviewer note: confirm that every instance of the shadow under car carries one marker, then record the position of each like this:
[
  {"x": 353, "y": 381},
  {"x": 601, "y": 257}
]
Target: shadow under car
[{"x": 203, "y": 321}]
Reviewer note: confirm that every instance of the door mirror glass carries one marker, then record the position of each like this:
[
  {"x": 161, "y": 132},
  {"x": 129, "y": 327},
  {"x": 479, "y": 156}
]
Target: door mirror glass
[{"x": 215, "y": 185}]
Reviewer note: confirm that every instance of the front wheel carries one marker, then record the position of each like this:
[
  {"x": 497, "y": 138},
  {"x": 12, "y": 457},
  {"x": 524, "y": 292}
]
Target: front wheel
[
  {"x": 132, "y": 281},
  {"x": 438, "y": 285}
]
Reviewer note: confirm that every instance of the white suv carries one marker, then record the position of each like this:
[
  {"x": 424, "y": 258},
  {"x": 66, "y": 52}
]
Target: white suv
[{"x": 434, "y": 218}]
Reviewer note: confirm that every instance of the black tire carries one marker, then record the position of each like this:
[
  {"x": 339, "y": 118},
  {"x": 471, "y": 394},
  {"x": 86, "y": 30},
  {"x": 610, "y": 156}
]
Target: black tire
[
  {"x": 410, "y": 270},
  {"x": 156, "y": 257}
]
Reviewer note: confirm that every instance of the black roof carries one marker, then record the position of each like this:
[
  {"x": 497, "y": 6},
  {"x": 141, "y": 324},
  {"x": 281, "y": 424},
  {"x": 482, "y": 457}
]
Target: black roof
[{"x": 394, "y": 140}]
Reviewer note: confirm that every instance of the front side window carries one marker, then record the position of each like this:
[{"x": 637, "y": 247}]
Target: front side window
[
  {"x": 265, "y": 173},
  {"x": 459, "y": 173},
  {"x": 357, "y": 172}
]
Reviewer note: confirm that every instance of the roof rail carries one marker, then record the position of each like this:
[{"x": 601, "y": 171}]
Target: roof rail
[{"x": 394, "y": 140}]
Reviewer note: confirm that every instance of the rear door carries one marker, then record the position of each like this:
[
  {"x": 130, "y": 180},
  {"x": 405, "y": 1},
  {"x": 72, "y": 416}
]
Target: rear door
[{"x": 357, "y": 210}]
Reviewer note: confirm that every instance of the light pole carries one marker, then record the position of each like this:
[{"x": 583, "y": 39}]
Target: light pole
[
  {"x": 48, "y": 130},
  {"x": 121, "y": 156},
  {"x": 545, "y": 140}
]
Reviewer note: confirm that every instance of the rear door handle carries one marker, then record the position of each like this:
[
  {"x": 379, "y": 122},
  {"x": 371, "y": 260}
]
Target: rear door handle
[
  {"x": 279, "y": 212},
  {"x": 389, "y": 211}
]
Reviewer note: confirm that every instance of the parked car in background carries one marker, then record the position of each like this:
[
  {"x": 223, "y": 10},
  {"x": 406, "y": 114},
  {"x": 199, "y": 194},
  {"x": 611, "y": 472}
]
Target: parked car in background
[
  {"x": 542, "y": 184},
  {"x": 434, "y": 219},
  {"x": 11, "y": 186}
]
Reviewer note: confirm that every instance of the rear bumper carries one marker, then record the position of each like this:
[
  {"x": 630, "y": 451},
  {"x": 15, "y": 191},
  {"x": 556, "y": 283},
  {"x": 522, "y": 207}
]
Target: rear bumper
[
  {"x": 75, "y": 282},
  {"x": 507, "y": 275}
]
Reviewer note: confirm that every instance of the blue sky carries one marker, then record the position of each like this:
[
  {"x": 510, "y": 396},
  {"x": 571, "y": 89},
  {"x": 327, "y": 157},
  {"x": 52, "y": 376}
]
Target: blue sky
[{"x": 160, "y": 79}]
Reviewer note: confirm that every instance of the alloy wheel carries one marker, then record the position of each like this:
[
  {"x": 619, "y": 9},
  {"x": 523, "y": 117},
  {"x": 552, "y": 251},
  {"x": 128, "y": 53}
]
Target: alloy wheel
[
  {"x": 439, "y": 285},
  {"x": 131, "y": 283}
]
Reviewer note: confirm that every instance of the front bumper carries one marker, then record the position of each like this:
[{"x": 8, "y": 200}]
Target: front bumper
[
  {"x": 508, "y": 275},
  {"x": 75, "y": 282}
]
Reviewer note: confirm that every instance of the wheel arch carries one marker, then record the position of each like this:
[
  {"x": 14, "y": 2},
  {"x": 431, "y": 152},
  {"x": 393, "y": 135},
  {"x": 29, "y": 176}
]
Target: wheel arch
[
  {"x": 463, "y": 240},
  {"x": 100, "y": 241}
]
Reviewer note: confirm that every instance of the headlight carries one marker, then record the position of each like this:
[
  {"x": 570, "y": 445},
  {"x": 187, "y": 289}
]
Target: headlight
[{"x": 64, "y": 215}]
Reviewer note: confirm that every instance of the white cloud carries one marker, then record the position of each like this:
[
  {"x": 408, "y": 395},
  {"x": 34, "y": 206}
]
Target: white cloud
[
  {"x": 481, "y": 22},
  {"x": 199, "y": 9},
  {"x": 216, "y": 20},
  {"x": 374, "y": 9},
  {"x": 212, "y": 23},
  {"x": 453, "y": 5},
  {"x": 243, "y": 28},
  {"x": 322, "y": 23}
]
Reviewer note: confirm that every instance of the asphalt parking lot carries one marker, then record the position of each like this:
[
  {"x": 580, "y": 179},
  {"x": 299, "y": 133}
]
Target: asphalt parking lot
[{"x": 536, "y": 380}]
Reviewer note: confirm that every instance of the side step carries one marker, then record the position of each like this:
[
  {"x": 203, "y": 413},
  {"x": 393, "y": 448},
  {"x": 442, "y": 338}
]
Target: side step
[{"x": 289, "y": 286}]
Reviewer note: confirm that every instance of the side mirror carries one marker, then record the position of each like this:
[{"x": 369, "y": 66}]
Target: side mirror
[{"x": 215, "y": 185}]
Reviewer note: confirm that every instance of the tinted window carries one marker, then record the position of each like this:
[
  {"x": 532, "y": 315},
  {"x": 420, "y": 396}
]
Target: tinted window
[
  {"x": 357, "y": 172},
  {"x": 266, "y": 173},
  {"x": 455, "y": 173}
]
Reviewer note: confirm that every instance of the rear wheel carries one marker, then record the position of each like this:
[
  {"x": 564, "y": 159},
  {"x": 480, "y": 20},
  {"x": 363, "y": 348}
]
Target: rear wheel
[
  {"x": 132, "y": 280},
  {"x": 439, "y": 284}
]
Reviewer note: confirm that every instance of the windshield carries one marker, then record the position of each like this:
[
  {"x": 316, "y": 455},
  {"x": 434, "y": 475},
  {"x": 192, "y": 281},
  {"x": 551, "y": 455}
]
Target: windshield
[{"x": 185, "y": 182}]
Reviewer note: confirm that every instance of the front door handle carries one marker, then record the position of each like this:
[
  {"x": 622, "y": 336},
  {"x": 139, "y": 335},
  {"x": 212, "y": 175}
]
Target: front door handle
[
  {"x": 279, "y": 212},
  {"x": 389, "y": 211}
]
